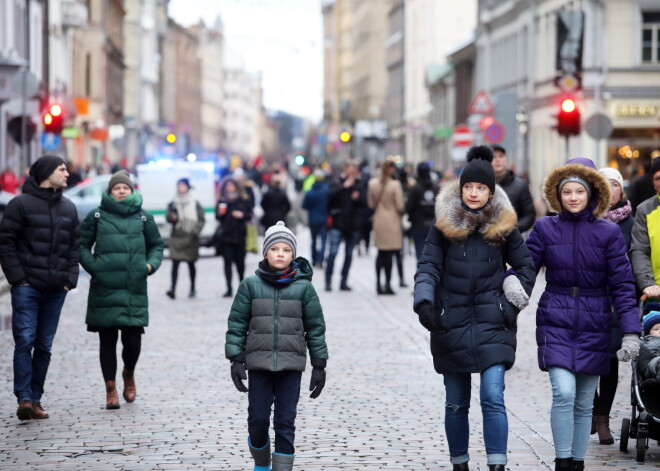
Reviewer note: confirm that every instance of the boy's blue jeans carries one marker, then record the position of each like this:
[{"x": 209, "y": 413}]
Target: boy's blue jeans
[
  {"x": 570, "y": 416},
  {"x": 495, "y": 423},
  {"x": 282, "y": 389},
  {"x": 35, "y": 316}
]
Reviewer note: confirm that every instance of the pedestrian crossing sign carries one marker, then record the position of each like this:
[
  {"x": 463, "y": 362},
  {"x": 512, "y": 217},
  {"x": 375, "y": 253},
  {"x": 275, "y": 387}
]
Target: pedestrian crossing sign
[{"x": 481, "y": 104}]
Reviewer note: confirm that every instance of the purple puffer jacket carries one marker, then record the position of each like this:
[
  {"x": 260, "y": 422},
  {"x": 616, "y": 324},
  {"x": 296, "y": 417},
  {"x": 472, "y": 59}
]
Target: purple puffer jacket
[{"x": 584, "y": 256}]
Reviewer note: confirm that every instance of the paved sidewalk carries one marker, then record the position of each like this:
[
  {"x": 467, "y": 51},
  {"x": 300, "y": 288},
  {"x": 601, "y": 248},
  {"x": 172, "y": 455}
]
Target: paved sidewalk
[{"x": 382, "y": 408}]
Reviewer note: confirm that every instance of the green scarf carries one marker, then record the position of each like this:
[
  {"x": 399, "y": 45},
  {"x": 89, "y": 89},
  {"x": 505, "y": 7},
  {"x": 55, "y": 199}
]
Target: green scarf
[{"x": 131, "y": 200}]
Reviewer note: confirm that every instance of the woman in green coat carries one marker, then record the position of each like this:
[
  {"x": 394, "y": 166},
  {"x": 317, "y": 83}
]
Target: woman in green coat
[{"x": 119, "y": 247}]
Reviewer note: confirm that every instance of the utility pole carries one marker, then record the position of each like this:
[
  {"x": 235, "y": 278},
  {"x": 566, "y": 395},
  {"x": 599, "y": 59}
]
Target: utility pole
[{"x": 25, "y": 144}]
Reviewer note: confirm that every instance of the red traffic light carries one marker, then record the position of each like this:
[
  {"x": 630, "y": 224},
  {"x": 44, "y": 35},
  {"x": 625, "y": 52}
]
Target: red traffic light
[
  {"x": 53, "y": 119},
  {"x": 568, "y": 105},
  {"x": 568, "y": 118}
]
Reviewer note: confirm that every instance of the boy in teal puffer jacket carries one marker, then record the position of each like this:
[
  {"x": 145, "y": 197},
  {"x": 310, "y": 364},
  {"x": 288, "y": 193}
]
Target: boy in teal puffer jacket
[{"x": 275, "y": 317}]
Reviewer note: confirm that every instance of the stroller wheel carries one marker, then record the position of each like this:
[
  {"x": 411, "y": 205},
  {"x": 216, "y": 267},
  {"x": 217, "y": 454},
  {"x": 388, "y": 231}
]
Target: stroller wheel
[
  {"x": 641, "y": 448},
  {"x": 625, "y": 434}
]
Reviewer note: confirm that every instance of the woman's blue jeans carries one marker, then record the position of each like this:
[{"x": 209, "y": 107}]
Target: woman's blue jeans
[
  {"x": 458, "y": 388},
  {"x": 570, "y": 416}
]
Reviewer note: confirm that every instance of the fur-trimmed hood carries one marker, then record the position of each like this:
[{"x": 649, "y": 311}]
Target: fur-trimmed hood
[
  {"x": 494, "y": 222},
  {"x": 601, "y": 192}
]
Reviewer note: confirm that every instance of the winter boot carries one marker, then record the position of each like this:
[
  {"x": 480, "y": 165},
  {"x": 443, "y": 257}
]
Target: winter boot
[
  {"x": 461, "y": 467},
  {"x": 111, "y": 398},
  {"x": 578, "y": 465},
  {"x": 603, "y": 429},
  {"x": 261, "y": 456},
  {"x": 563, "y": 464},
  {"x": 496, "y": 467},
  {"x": 130, "y": 390},
  {"x": 282, "y": 462}
]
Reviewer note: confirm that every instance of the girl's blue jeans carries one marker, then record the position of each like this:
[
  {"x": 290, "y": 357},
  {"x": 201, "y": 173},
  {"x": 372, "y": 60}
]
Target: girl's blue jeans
[
  {"x": 495, "y": 423},
  {"x": 570, "y": 416}
]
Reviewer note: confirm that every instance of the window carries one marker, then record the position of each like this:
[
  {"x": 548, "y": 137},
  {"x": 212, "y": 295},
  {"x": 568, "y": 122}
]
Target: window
[{"x": 651, "y": 37}]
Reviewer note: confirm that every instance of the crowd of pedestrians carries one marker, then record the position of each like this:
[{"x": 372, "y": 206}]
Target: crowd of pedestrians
[{"x": 479, "y": 247}]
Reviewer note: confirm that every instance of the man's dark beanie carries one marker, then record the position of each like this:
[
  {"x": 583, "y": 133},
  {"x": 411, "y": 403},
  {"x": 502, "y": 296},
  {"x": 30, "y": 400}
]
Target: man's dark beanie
[
  {"x": 44, "y": 167},
  {"x": 479, "y": 168},
  {"x": 655, "y": 166}
]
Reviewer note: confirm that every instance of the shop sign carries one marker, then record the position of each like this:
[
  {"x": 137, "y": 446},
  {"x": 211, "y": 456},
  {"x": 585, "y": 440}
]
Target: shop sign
[{"x": 636, "y": 111}]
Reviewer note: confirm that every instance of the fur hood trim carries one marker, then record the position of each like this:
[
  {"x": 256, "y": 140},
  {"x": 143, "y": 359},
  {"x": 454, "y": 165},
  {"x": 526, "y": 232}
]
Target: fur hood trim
[
  {"x": 494, "y": 222},
  {"x": 600, "y": 195}
]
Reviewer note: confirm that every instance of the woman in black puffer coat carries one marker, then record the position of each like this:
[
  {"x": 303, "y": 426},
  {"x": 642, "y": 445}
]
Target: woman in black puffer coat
[{"x": 462, "y": 297}]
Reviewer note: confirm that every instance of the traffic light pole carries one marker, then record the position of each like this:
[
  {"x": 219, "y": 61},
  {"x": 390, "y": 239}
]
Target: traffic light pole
[
  {"x": 25, "y": 145},
  {"x": 566, "y": 149}
]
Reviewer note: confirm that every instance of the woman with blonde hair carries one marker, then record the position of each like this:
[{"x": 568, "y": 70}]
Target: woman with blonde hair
[{"x": 385, "y": 197}]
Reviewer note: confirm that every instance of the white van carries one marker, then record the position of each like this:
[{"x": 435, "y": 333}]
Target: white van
[{"x": 157, "y": 184}]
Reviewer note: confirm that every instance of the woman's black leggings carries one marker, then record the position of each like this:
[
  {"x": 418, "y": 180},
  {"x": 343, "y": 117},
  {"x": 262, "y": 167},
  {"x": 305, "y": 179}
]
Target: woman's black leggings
[
  {"x": 175, "y": 273},
  {"x": 384, "y": 262},
  {"x": 131, "y": 340},
  {"x": 233, "y": 254}
]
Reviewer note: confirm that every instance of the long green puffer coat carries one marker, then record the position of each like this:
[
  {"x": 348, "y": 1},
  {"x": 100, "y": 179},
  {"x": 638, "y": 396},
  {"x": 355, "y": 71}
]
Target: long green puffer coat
[
  {"x": 115, "y": 249},
  {"x": 273, "y": 325}
]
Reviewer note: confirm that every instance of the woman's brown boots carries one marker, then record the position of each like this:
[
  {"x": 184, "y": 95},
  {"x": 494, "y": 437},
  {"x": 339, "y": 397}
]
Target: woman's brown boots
[
  {"x": 602, "y": 423},
  {"x": 111, "y": 398},
  {"x": 129, "y": 385}
]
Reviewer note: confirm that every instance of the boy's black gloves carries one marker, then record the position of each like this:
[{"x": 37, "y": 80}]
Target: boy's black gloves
[
  {"x": 238, "y": 374},
  {"x": 317, "y": 382},
  {"x": 426, "y": 314}
]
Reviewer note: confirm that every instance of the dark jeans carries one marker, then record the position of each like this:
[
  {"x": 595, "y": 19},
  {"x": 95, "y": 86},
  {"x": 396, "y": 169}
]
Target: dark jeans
[
  {"x": 233, "y": 254},
  {"x": 318, "y": 230},
  {"x": 35, "y": 316},
  {"x": 336, "y": 236},
  {"x": 282, "y": 389},
  {"x": 131, "y": 340}
]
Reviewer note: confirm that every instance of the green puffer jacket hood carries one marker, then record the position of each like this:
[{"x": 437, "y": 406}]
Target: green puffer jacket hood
[
  {"x": 124, "y": 240},
  {"x": 271, "y": 326}
]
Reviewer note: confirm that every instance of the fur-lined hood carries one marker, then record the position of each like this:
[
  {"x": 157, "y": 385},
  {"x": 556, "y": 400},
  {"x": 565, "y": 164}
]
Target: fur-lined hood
[
  {"x": 601, "y": 193},
  {"x": 494, "y": 222}
]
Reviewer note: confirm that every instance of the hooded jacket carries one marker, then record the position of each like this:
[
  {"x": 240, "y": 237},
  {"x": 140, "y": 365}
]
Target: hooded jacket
[
  {"x": 273, "y": 325},
  {"x": 461, "y": 272},
  {"x": 123, "y": 246},
  {"x": 40, "y": 239},
  {"x": 584, "y": 257},
  {"x": 648, "y": 363}
]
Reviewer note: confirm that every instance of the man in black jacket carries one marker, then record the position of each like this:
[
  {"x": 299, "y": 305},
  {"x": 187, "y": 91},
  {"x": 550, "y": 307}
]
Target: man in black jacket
[
  {"x": 345, "y": 196},
  {"x": 421, "y": 206},
  {"x": 515, "y": 188},
  {"x": 39, "y": 242}
]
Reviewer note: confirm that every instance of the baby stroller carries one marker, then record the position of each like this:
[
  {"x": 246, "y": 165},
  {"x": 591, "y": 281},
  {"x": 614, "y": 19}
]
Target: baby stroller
[{"x": 645, "y": 399}]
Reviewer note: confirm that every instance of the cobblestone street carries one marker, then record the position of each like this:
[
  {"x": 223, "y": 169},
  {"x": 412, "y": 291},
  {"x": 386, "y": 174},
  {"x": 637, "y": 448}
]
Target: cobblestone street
[{"x": 382, "y": 407}]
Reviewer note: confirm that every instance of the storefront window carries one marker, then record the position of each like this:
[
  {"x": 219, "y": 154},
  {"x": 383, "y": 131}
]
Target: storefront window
[{"x": 651, "y": 37}]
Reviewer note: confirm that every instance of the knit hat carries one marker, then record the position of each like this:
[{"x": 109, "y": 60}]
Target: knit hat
[
  {"x": 121, "y": 176},
  {"x": 575, "y": 179},
  {"x": 655, "y": 166},
  {"x": 612, "y": 174},
  {"x": 479, "y": 168},
  {"x": 185, "y": 181},
  {"x": 279, "y": 233},
  {"x": 44, "y": 167},
  {"x": 649, "y": 320}
]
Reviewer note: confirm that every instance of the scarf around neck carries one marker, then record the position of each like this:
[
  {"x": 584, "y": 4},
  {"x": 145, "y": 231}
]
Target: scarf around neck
[
  {"x": 186, "y": 207},
  {"x": 277, "y": 277},
  {"x": 618, "y": 212}
]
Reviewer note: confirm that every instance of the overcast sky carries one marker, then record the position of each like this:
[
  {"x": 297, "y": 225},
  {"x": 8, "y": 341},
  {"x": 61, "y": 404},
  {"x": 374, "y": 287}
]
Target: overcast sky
[{"x": 281, "y": 38}]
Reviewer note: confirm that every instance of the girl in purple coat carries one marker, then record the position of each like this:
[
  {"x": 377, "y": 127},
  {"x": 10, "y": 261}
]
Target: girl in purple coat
[{"x": 585, "y": 258}]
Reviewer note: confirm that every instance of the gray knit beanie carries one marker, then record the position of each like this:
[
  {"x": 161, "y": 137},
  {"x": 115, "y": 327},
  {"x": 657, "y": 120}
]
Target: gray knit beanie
[
  {"x": 279, "y": 233},
  {"x": 121, "y": 176}
]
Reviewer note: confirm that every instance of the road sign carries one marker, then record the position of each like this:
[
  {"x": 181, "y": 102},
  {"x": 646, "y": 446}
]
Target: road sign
[
  {"x": 481, "y": 104},
  {"x": 567, "y": 83},
  {"x": 598, "y": 126},
  {"x": 50, "y": 141},
  {"x": 463, "y": 136},
  {"x": 494, "y": 134}
]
